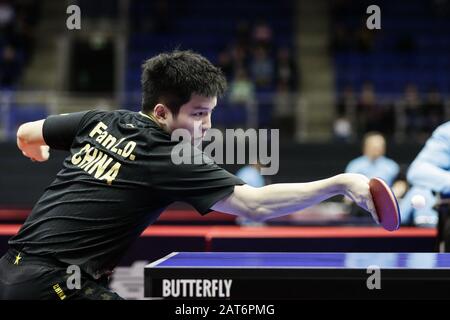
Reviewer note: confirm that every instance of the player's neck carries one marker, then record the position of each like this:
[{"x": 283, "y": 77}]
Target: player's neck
[{"x": 151, "y": 117}]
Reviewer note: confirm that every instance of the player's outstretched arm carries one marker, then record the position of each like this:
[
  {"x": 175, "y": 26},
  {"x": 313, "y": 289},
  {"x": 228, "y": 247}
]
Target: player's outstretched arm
[
  {"x": 280, "y": 199},
  {"x": 31, "y": 142}
]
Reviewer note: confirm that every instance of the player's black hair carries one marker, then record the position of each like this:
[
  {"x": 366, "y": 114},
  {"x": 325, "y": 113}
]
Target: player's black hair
[{"x": 171, "y": 78}]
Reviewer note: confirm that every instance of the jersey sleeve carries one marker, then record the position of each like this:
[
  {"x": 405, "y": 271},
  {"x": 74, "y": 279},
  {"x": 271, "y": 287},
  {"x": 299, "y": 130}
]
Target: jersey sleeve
[{"x": 59, "y": 131}]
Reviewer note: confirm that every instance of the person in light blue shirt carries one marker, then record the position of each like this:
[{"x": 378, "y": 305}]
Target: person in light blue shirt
[
  {"x": 373, "y": 162},
  {"x": 429, "y": 174}
]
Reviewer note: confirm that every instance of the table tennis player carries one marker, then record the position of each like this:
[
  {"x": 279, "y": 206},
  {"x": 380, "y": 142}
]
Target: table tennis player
[{"x": 119, "y": 177}]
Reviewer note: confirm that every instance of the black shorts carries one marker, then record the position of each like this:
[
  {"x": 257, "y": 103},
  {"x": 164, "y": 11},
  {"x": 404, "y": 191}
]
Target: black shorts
[{"x": 27, "y": 277}]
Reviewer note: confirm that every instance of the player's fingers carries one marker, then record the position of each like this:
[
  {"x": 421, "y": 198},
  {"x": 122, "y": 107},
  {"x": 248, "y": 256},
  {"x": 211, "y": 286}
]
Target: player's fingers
[
  {"x": 45, "y": 149},
  {"x": 45, "y": 152},
  {"x": 371, "y": 208}
]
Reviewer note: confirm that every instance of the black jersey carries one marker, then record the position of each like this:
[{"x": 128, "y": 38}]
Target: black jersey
[{"x": 117, "y": 180}]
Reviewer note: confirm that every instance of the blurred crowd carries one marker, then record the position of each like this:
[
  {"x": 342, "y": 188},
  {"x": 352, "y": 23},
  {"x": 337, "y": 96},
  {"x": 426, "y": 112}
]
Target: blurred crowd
[
  {"x": 353, "y": 35},
  {"x": 414, "y": 115},
  {"x": 259, "y": 70},
  {"x": 400, "y": 56},
  {"x": 17, "y": 22}
]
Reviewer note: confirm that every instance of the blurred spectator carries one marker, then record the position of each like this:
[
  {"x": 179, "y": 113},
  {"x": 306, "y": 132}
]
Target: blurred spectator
[
  {"x": 389, "y": 118},
  {"x": 17, "y": 22},
  {"x": 242, "y": 90},
  {"x": 286, "y": 68},
  {"x": 238, "y": 57},
  {"x": 256, "y": 77},
  {"x": 284, "y": 110},
  {"x": 225, "y": 63},
  {"x": 433, "y": 110},
  {"x": 6, "y": 15},
  {"x": 262, "y": 34},
  {"x": 369, "y": 112},
  {"x": 373, "y": 162},
  {"x": 9, "y": 67},
  {"x": 262, "y": 68},
  {"x": 23, "y": 37},
  {"x": 412, "y": 110},
  {"x": 347, "y": 102}
]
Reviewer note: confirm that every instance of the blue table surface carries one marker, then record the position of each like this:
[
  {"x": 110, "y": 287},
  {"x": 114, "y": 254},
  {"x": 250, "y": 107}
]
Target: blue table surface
[{"x": 303, "y": 260}]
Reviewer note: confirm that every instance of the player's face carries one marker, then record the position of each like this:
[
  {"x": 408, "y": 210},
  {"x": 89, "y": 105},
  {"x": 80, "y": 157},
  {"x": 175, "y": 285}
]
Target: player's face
[{"x": 194, "y": 116}]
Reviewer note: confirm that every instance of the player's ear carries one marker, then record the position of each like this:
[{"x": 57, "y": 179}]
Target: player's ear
[{"x": 160, "y": 111}]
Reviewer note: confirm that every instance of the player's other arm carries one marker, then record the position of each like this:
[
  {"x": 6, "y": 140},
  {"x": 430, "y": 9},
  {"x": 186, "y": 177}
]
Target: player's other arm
[
  {"x": 57, "y": 132},
  {"x": 30, "y": 141},
  {"x": 281, "y": 199}
]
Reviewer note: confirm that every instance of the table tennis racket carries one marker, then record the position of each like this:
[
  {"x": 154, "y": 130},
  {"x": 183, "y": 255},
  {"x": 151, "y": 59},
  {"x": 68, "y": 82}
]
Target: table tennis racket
[{"x": 386, "y": 205}]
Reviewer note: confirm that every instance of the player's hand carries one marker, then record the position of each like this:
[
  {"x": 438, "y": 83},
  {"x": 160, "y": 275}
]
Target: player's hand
[
  {"x": 37, "y": 153},
  {"x": 356, "y": 187}
]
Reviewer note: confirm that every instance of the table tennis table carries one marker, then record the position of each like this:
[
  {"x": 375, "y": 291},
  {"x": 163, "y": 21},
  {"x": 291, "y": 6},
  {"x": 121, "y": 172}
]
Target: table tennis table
[{"x": 289, "y": 275}]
